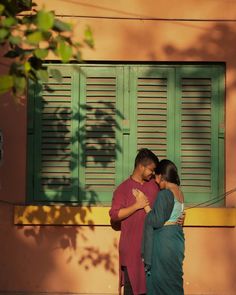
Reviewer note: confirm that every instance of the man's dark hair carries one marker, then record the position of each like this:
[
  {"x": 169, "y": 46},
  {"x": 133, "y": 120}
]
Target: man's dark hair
[{"x": 145, "y": 157}]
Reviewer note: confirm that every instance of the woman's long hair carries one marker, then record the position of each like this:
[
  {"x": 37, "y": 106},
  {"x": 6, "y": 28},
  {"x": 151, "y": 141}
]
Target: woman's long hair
[{"x": 168, "y": 171}]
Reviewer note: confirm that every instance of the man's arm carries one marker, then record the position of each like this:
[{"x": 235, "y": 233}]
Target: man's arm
[
  {"x": 139, "y": 194},
  {"x": 147, "y": 209},
  {"x": 181, "y": 219},
  {"x": 141, "y": 202},
  {"x": 118, "y": 212}
]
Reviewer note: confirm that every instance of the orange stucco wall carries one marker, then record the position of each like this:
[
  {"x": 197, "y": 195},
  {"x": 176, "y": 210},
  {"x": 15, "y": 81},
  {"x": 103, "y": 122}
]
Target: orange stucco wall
[{"x": 84, "y": 259}]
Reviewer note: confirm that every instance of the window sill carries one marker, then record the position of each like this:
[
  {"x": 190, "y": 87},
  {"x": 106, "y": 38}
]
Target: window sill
[{"x": 72, "y": 215}]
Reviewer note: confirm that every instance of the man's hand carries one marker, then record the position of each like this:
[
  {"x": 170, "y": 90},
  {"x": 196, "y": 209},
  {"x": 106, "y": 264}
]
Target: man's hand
[
  {"x": 141, "y": 202},
  {"x": 141, "y": 199},
  {"x": 181, "y": 219}
]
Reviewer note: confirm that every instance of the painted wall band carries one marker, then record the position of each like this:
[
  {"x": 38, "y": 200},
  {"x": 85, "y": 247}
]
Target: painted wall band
[{"x": 72, "y": 215}]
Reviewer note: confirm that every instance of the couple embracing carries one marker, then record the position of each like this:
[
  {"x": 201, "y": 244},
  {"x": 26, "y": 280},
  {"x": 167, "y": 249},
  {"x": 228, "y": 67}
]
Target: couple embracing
[{"x": 149, "y": 205}]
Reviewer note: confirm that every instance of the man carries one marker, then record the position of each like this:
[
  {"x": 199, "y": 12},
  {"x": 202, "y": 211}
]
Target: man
[{"x": 130, "y": 212}]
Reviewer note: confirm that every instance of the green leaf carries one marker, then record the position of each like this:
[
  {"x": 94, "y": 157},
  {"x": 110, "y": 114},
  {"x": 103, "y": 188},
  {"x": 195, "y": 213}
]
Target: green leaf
[
  {"x": 14, "y": 68},
  {"x": 46, "y": 35},
  {"x": 17, "y": 69},
  {"x": 11, "y": 54},
  {"x": 41, "y": 53},
  {"x": 9, "y": 21},
  {"x": 36, "y": 63},
  {"x": 23, "y": 5},
  {"x": 19, "y": 84},
  {"x": 6, "y": 83},
  {"x": 27, "y": 67},
  {"x": 34, "y": 38},
  {"x": 10, "y": 7},
  {"x": 61, "y": 26},
  {"x": 14, "y": 40},
  {"x": 21, "y": 52},
  {"x": 28, "y": 19},
  {"x": 64, "y": 51},
  {"x": 88, "y": 37},
  {"x": 52, "y": 45},
  {"x": 45, "y": 20},
  {"x": 3, "y": 34},
  {"x": 42, "y": 75},
  {"x": 2, "y": 7},
  {"x": 56, "y": 74}
]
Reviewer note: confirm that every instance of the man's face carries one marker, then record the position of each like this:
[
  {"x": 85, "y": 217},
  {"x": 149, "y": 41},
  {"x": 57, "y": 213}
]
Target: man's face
[{"x": 148, "y": 171}]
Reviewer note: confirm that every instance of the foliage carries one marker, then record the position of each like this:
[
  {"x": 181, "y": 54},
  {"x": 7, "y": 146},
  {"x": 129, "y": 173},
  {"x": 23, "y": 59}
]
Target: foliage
[{"x": 29, "y": 38}]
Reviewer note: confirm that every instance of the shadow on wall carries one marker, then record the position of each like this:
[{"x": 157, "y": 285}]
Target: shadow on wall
[
  {"x": 215, "y": 44},
  {"x": 72, "y": 138},
  {"x": 33, "y": 257},
  {"x": 69, "y": 141},
  {"x": 42, "y": 241},
  {"x": 55, "y": 168}
]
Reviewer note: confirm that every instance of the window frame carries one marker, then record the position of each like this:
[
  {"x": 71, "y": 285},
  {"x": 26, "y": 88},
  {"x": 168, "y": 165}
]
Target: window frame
[{"x": 129, "y": 128}]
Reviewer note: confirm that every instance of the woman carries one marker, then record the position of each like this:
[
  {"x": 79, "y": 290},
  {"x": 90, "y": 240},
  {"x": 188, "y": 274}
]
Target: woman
[{"x": 163, "y": 238}]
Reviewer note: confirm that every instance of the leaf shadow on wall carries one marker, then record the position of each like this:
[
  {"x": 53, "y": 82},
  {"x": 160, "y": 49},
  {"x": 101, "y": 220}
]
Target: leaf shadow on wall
[
  {"x": 216, "y": 44},
  {"x": 40, "y": 245}
]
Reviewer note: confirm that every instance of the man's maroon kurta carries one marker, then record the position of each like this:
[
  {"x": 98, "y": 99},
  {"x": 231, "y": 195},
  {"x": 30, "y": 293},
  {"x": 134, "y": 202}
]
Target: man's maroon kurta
[{"x": 132, "y": 229}]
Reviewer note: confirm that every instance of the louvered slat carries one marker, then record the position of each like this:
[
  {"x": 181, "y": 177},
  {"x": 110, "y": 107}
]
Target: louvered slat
[
  {"x": 152, "y": 114},
  {"x": 100, "y": 135},
  {"x": 196, "y": 161},
  {"x": 56, "y": 132}
]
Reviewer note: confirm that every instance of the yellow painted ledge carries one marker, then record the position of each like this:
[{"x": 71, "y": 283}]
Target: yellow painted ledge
[
  {"x": 210, "y": 217},
  {"x": 72, "y": 215}
]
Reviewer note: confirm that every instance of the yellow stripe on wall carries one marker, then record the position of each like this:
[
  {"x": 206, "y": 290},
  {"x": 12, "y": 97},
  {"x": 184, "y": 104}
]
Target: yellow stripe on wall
[
  {"x": 211, "y": 217},
  {"x": 72, "y": 215}
]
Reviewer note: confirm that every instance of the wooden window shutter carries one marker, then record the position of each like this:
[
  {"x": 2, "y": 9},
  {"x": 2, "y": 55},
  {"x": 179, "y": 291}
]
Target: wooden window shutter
[
  {"x": 55, "y": 163},
  {"x": 84, "y": 131},
  {"x": 101, "y": 96},
  {"x": 152, "y": 87},
  {"x": 179, "y": 110},
  {"x": 197, "y": 138}
]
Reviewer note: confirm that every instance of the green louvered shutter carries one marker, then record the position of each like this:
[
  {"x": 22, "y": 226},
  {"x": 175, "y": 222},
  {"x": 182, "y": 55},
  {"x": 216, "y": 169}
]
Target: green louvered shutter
[
  {"x": 178, "y": 113},
  {"x": 197, "y": 138},
  {"x": 55, "y": 148},
  {"x": 152, "y": 88},
  {"x": 84, "y": 131},
  {"x": 101, "y": 97}
]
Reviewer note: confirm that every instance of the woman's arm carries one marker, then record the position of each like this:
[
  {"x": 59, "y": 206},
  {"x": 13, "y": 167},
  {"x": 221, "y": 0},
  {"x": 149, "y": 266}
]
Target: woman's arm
[
  {"x": 161, "y": 210},
  {"x": 156, "y": 218}
]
